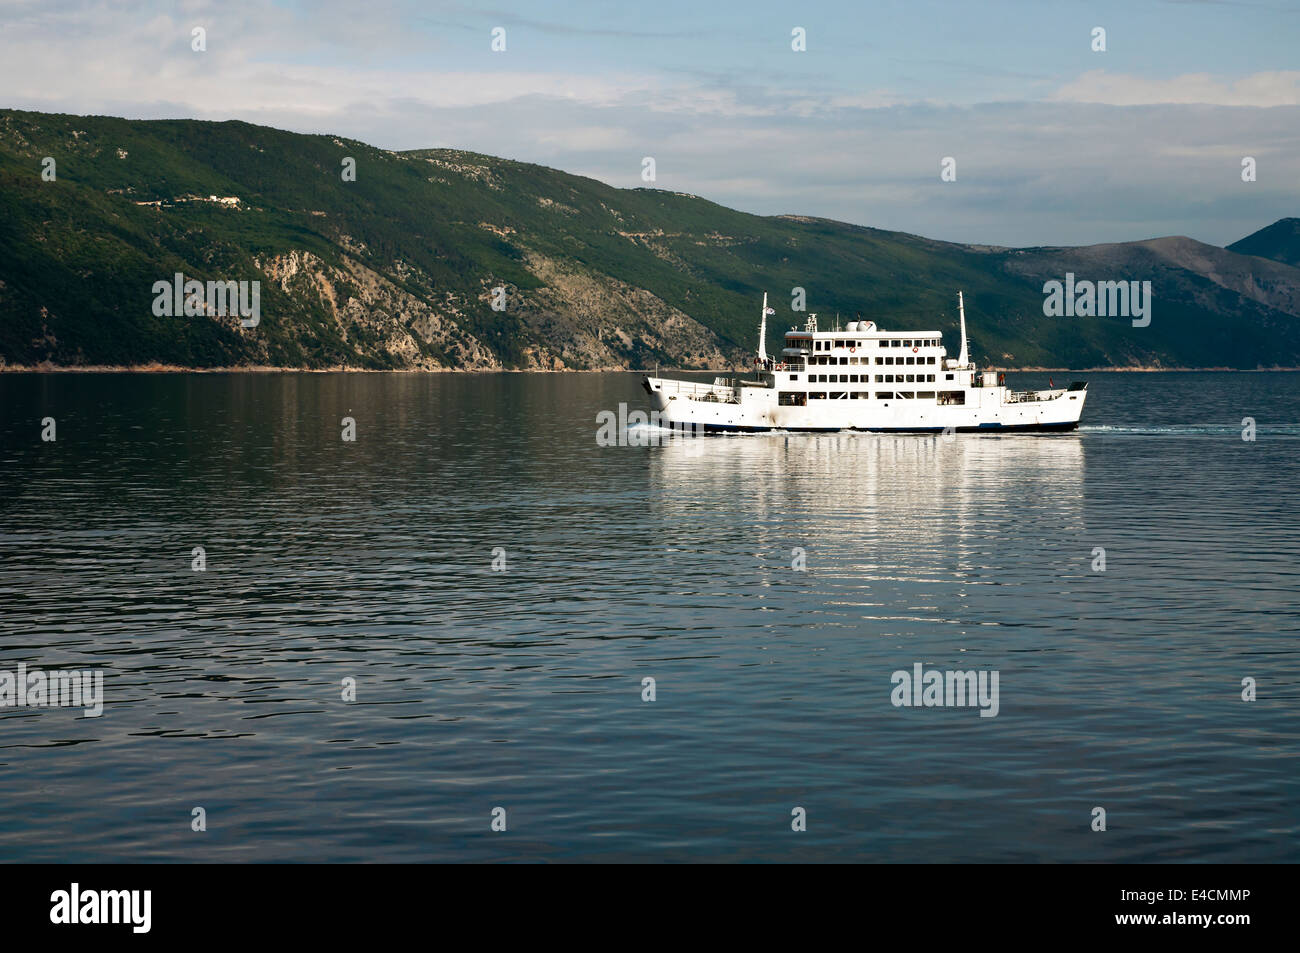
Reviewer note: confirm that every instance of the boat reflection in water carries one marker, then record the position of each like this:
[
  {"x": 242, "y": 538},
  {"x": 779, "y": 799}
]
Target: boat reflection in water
[{"x": 898, "y": 528}]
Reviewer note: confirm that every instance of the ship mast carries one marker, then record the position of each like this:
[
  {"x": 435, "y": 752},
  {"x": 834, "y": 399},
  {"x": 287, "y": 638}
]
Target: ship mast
[
  {"x": 762, "y": 332},
  {"x": 963, "y": 358}
]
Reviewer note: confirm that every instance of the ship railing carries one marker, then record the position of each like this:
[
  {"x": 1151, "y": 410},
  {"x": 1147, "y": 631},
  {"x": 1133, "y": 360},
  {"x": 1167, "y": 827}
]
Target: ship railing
[
  {"x": 1030, "y": 396},
  {"x": 694, "y": 390}
]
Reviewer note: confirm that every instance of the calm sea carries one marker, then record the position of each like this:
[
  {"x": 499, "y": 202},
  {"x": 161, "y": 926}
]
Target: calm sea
[{"x": 770, "y": 585}]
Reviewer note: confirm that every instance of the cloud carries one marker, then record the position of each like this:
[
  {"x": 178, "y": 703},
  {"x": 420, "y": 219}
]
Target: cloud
[
  {"x": 1088, "y": 165},
  {"x": 1276, "y": 88}
]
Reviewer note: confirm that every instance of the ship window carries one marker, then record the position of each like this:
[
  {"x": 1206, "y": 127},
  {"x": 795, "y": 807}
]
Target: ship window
[
  {"x": 947, "y": 377},
  {"x": 883, "y": 395},
  {"x": 837, "y": 395},
  {"x": 952, "y": 397},
  {"x": 911, "y": 378},
  {"x": 906, "y": 395},
  {"x": 925, "y": 395},
  {"x": 821, "y": 396},
  {"x": 794, "y": 377},
  {"x": 907, "y": 344},
  {"x": 911, "y": 360},
  {"x": 792, "y": 399}
]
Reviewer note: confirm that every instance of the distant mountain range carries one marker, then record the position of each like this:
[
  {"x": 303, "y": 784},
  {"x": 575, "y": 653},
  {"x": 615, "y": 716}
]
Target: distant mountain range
[{"x": 398, "y": 268}]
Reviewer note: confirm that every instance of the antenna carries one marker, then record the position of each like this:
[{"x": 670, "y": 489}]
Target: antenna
[{"x": 963, "y": 358}]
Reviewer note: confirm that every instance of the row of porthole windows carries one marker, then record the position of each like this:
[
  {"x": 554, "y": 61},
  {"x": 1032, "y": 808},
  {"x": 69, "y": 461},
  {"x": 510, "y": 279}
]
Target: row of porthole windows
[
  {"x": 866, "y": 378},
  {"x": 824, "y": 360},
  {"x": 792, "y": 399},
  {"x": 894, "y": 342}
]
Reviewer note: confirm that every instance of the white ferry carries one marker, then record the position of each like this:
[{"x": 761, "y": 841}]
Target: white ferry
[{"x": 863, "y": 378}]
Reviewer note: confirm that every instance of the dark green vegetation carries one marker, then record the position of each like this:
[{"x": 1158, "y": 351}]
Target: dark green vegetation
[{"x": 396, "y": 268}]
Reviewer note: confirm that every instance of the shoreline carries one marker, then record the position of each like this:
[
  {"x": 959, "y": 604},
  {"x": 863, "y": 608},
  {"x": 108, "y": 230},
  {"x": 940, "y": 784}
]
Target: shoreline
[{"x": 266, "y": 369}]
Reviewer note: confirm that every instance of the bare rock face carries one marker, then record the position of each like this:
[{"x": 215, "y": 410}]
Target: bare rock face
[
  {"x": 592, "y": 321},
  {"x": 374, "y": 315},
  {"x": 577, "y": 319}
]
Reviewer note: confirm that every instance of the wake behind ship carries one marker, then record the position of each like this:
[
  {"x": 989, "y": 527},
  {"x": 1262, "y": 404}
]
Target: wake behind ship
[{"x": 863, "y": 378}]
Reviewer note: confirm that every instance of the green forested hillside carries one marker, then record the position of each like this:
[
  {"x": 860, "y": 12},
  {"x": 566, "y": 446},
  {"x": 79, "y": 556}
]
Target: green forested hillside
[{"x": 396, "y": 269}]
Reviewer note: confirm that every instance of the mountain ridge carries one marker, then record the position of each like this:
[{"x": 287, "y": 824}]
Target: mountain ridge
[{"x": 398, "y": 270}]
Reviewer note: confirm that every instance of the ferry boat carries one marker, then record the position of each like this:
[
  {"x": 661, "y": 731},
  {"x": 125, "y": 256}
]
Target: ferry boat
[{"x": 863, "y": 378}]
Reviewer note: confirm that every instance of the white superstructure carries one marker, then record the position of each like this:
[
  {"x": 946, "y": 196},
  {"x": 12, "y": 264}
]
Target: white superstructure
[{"x": 863, "y": 378}]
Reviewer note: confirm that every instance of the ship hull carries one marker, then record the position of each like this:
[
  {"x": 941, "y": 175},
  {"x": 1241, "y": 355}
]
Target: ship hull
[
  {"x": 982, "y": 428},
  {"x": 755, "y": 407}
]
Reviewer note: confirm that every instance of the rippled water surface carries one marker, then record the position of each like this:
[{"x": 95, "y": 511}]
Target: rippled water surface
[{"x": 373, "y": 560}]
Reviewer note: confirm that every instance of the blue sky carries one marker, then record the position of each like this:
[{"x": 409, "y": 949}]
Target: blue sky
[{"x": 1054, "y": 143}]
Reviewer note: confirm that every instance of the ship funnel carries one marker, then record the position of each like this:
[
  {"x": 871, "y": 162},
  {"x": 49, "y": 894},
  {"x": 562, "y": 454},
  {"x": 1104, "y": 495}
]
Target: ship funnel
[{"x": 964, "y": 357}]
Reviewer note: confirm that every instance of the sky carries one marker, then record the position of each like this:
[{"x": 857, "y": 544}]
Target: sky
[{"x": 1053, "y": 142}]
